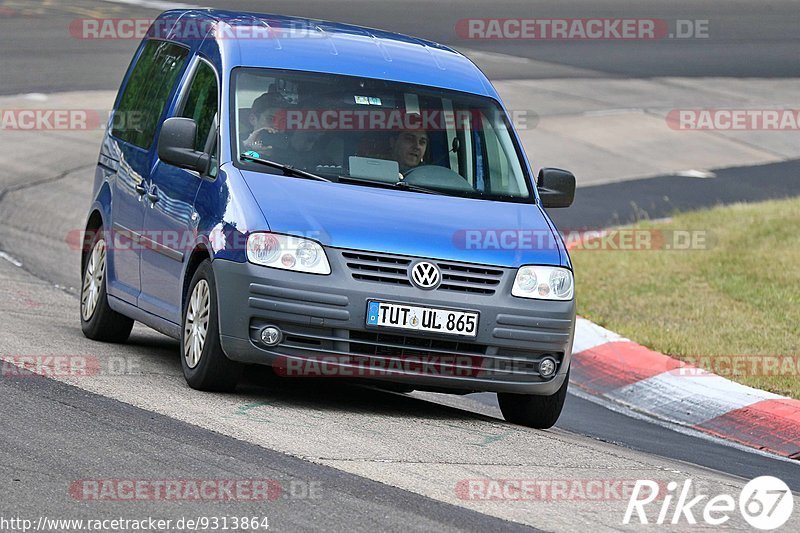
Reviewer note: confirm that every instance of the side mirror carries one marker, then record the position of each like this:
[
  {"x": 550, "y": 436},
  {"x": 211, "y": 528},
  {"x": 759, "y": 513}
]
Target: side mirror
[
  {"x": 176, "y": 145},
  {"x": 556, "y": 187}
]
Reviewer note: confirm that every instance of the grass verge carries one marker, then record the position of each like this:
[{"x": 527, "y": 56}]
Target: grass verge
[{"x": 729, "y": 303}]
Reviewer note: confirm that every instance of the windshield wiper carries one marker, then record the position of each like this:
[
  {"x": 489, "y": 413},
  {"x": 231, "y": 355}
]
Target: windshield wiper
[
  {"x": 288, "y": 170},
  {"x": 417, "y": 188},
  {"x": 388, "y": 185}
]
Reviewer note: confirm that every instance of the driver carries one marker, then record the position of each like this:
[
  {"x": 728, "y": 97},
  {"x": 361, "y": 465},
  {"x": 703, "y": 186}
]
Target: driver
[{"x": 408, "y": 148}]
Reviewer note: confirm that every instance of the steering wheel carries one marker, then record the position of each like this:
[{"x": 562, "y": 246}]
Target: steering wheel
[{"x": 437, "y": 177}]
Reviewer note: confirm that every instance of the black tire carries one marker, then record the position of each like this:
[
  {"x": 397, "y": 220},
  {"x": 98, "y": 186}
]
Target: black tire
[
  {"x": 213, "y": 371},
  {"x": 540, "y": 412},
  {"x": 102, "y": 323}
]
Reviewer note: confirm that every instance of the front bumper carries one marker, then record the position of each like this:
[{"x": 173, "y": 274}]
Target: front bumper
[{"x": 323, "y": 318}]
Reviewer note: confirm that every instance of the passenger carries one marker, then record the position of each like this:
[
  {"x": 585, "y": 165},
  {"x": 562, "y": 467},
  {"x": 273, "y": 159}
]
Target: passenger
[
  {"x": 408, "y": 148},
  {"x": 262, "y": 121}
]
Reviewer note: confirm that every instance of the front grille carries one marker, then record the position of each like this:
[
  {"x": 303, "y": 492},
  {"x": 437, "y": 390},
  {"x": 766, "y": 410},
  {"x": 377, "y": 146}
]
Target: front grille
[
  {"x": 380, "y": 268},
  {"x": 385, "y": 268},
  {"x": 471, "y": 279}
]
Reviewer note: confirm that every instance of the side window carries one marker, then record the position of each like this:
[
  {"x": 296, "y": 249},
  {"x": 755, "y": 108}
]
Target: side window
[
  {"x": 502, "y": 170},
  {"x": 145, "y": 96},
  {"x": 496, "y": 159},
  {"x": 201, "y": 103}
]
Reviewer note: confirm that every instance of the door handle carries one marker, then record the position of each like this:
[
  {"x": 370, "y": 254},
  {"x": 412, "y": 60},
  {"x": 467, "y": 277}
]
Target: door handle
[
  {"x": 140, "y": 189},
  {"x": 152, "y": 194}
]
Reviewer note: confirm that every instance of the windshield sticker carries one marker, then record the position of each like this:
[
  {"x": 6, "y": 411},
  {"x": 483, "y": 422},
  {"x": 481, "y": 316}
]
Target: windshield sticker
[
  {"x": 368, "y": 100},
  {"x": 251, "y": 153}
]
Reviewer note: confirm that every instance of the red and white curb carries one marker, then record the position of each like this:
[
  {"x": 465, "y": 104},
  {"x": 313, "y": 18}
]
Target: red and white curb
[{"x": 614, "y": 368}]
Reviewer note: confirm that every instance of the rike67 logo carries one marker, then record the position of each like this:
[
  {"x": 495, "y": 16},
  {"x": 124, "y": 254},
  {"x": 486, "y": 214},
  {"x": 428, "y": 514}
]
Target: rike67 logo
[{"x": 765, "y": 503}]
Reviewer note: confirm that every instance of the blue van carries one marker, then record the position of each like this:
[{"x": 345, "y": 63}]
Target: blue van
[{"x": 331, "y": 201}]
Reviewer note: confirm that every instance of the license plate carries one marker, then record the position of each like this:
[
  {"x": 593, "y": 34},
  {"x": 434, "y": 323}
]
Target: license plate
[{"x": 401, "y": 316}]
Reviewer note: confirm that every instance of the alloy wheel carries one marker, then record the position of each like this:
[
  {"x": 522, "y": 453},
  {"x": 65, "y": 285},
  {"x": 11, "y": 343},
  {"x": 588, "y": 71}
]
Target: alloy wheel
[
  {"x": 93, "y": 278},
  {"x": 195, "y": 327}
]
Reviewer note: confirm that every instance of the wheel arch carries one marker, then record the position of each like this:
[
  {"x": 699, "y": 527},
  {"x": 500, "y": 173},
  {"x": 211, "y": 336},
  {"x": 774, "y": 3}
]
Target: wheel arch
[
  {"x": 93, "y": 223},
  {"x": 200, "y": 253}
]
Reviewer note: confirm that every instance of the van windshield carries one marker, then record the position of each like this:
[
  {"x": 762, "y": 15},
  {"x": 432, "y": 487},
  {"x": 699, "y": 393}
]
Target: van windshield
[{"x": 365, "y": 131}]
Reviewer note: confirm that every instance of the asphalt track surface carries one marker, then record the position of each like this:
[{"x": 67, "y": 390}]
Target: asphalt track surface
[
  {"x": 53, "y": 432},
  {"x": 45, "y": 457},
  {"x": 629, "y": 201}
]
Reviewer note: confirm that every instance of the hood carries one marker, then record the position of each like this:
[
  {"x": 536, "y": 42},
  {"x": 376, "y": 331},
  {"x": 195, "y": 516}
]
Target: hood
[{"x": 406, "y": 223}]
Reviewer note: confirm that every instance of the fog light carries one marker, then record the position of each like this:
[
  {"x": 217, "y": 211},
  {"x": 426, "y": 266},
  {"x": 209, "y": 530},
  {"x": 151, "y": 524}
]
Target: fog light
[
  {"x": 271, "y": 336},
  {"x": 547, "y": 367}
]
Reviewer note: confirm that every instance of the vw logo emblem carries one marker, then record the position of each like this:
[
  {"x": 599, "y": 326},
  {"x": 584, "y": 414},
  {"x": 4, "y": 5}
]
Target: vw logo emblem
[{"x": 426, "y": 275}]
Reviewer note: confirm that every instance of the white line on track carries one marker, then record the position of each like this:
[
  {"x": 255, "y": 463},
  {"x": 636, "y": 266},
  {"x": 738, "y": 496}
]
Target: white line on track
[
  {"x": 694, "y": 173},
  {"x": 10, "y": 259}
]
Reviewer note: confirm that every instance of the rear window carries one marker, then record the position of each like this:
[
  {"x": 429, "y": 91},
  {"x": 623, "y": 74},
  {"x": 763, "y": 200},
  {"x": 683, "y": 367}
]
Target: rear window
[{"x": 150, "y": 84}]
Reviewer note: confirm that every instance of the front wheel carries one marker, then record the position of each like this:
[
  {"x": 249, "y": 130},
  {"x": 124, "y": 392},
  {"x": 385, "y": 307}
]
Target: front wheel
[
  {"x": 205, "y": 365},
  {"x": 98, "y": 321},
  {"x": 540, "y": 412}
]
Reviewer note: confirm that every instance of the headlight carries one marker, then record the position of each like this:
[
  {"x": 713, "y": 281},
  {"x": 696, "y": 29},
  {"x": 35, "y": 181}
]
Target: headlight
[
  {"x": 287, "y": 252},
  {"x": 544, "y": 283}
]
